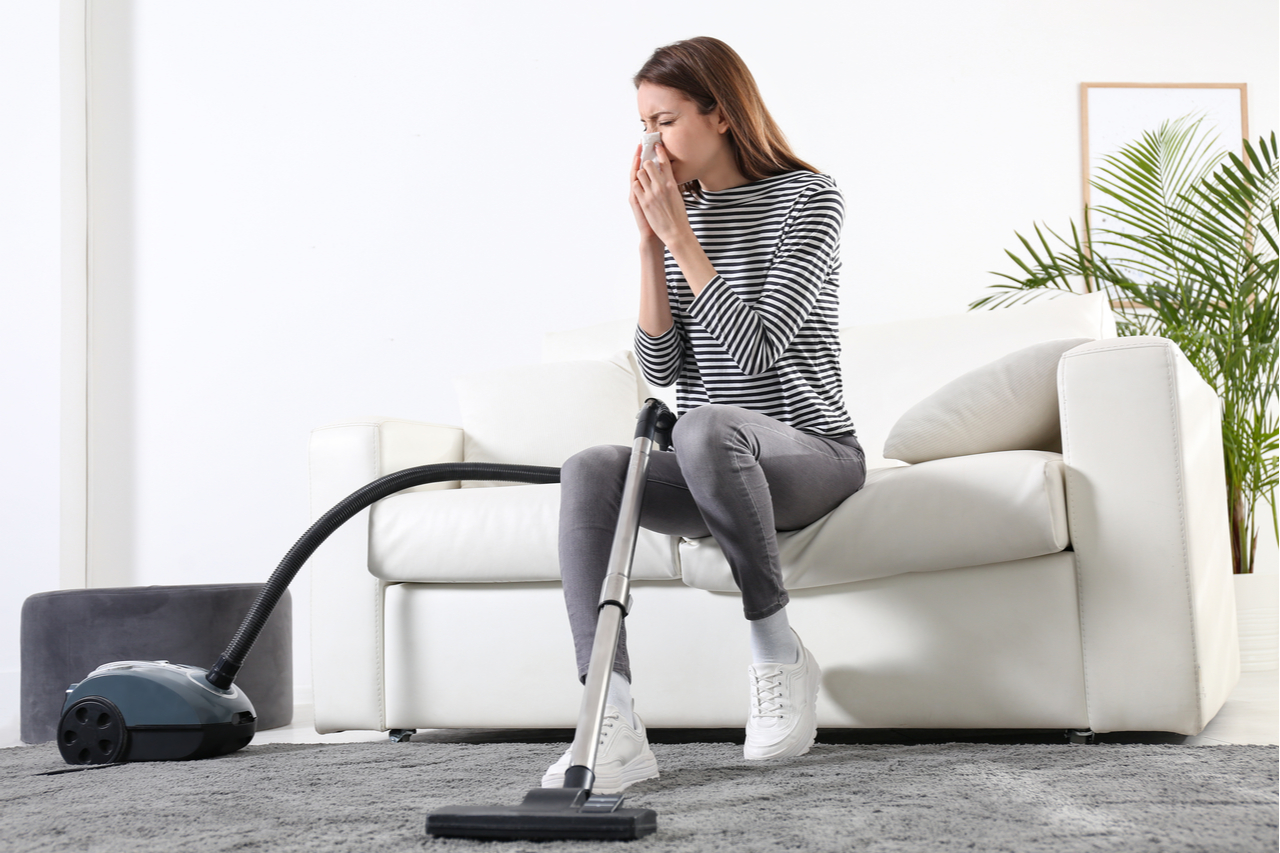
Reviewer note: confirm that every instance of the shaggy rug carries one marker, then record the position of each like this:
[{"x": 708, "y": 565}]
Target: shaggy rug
[{"x": 840, "y": 797}]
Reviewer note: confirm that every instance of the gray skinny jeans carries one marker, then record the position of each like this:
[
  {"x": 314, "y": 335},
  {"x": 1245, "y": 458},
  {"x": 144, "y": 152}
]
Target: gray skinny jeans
[{"x": 734, "y": 474}]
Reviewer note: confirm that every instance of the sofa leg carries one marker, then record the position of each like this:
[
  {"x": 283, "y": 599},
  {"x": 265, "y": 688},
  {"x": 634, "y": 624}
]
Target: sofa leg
[
  {"x": 1081, "y": 736},
  {"x": 401, "y": 735}
]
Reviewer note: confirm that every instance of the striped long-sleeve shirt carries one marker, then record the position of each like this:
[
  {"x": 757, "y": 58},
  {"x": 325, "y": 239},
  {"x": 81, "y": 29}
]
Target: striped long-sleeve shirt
[{"x": 762, "y": 333}]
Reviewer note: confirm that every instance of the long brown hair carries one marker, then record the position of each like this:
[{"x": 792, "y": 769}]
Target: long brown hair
[{"x": 711, "y": 74}]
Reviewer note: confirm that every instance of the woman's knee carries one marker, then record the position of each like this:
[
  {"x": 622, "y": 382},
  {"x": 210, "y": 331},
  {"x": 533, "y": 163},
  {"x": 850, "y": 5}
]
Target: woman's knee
[
  {"x": 594, "y": 464},
  {"x": 705, "y": 427}
]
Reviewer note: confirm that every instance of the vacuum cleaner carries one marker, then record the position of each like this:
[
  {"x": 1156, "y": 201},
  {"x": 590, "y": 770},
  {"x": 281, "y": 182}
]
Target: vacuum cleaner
[
  {"x": 161, "y": 711},
  {"x": 573, "y": 811}
]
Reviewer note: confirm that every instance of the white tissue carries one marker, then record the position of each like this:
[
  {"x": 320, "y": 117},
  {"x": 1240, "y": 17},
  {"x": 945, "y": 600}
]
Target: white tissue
[{"x": 648, "y": 139}]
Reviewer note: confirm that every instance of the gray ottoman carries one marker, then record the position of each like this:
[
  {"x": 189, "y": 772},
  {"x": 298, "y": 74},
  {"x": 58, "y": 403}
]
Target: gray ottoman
[{"x": 69, "y": 633}]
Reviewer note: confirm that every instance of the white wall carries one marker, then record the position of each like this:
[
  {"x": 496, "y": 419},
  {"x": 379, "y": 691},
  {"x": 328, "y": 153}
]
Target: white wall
[
  {"x": 308, "y": 211},
  {"x": 30, "y": 323}
]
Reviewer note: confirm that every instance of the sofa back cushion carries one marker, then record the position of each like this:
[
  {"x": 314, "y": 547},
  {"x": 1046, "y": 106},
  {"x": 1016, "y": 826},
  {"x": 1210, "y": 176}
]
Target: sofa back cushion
[
  {"x": 541, "y": 414},
  {"x": 889, "y": 367},
  {"x": 599, "y": 341}
]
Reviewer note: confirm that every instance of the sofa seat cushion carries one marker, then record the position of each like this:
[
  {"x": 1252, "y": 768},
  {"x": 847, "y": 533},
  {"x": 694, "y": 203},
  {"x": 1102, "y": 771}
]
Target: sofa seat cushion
[
  {"x": 485, "y": 536},
  {"x": 942, "y": 514}
]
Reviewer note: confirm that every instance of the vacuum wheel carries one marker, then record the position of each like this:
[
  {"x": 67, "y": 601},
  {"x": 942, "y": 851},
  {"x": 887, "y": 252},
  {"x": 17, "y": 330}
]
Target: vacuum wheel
[{"x": 92, "y": 731}]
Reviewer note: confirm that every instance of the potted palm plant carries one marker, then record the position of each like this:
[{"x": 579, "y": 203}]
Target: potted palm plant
[{"x": 1185, "y": 249}]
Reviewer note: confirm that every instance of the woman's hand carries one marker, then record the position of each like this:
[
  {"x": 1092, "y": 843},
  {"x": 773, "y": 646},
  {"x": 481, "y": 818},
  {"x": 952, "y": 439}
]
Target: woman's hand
[
  {"x": 656, "y": 197},
  {"x": 646, "y": 233}
]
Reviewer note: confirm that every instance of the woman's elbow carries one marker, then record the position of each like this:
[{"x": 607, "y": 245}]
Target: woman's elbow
[{"x": 664, "y": 378}]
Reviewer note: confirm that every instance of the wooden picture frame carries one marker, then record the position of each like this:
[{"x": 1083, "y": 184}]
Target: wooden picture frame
[
  {"x": 1114, "y": 114},
  {"x": 1145, "y": 106}
]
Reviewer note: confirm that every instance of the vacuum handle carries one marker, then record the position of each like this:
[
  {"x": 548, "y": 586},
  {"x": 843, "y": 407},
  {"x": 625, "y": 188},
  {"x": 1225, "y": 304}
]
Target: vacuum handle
[{"x": 655, "y": 423}]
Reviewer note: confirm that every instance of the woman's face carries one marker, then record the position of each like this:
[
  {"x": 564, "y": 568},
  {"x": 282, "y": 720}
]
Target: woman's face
[{"x": 695, "y": 143}]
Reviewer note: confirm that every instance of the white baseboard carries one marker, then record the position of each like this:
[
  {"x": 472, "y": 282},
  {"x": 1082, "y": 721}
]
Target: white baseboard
[{"x": 10, "y": 709}]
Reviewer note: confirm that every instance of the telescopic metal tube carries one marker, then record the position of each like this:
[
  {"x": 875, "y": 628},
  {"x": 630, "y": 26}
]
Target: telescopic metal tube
[{"x": 614, "y": 603}]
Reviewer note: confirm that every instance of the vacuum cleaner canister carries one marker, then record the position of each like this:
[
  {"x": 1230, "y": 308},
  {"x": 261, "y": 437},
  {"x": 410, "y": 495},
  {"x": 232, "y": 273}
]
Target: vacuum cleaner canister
[{"x": 135, "y": 710}]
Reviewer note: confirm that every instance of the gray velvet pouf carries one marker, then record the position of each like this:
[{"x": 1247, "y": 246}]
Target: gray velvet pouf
[{"x": 69, "y": 633}]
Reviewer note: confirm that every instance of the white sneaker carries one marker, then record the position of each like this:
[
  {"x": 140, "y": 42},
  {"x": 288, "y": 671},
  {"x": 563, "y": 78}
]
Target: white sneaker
[
  {"x": 784, "y": 698},
  {"x": 623, "y": 757}
]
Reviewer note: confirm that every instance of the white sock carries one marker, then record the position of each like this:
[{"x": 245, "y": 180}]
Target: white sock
[
  {"x": 773, "y": 641},
  {"x": 620, "y": 696}
]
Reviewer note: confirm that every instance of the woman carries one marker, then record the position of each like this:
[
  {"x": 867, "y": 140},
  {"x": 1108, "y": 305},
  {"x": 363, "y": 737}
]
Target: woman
[{"x": 739, "y": 260}]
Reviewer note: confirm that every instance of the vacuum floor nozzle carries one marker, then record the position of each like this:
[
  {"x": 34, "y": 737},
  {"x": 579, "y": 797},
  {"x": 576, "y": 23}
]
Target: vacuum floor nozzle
[{"x": 547, "y": 813}]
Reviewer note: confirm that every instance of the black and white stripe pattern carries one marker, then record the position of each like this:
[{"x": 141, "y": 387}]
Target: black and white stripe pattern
[{"x": 762, "y": 334}]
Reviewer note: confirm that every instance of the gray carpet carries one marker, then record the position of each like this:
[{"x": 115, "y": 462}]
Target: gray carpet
[{"x": 839, "y": 797}]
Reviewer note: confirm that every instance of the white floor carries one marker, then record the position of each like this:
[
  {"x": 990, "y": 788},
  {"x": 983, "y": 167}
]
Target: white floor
[{"x": 1251, "y": 715}]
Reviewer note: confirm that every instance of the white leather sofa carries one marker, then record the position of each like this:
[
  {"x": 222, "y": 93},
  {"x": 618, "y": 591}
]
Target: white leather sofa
[{"x": 1089, "y": 589}]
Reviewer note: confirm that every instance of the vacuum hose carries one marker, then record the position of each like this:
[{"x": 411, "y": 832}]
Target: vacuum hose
[{"x": 224, "y": 671}]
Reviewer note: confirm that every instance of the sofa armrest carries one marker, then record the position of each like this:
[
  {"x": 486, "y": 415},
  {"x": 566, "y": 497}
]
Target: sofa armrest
[
  {"x": 1147, "y": 513},
  {"x": 346, "y": 600}
]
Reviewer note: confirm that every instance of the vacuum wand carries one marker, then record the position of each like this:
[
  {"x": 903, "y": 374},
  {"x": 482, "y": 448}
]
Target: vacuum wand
[
  {"x": 573, "y": 811},
  {"x": 615, "y": 604}
]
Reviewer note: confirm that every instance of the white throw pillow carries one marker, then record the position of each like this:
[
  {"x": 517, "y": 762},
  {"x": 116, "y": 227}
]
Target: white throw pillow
[
  {"x": 887, "y": 367},
  {"x": 1009, "y": 404},
  {"x": 541, "y": 414}
]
